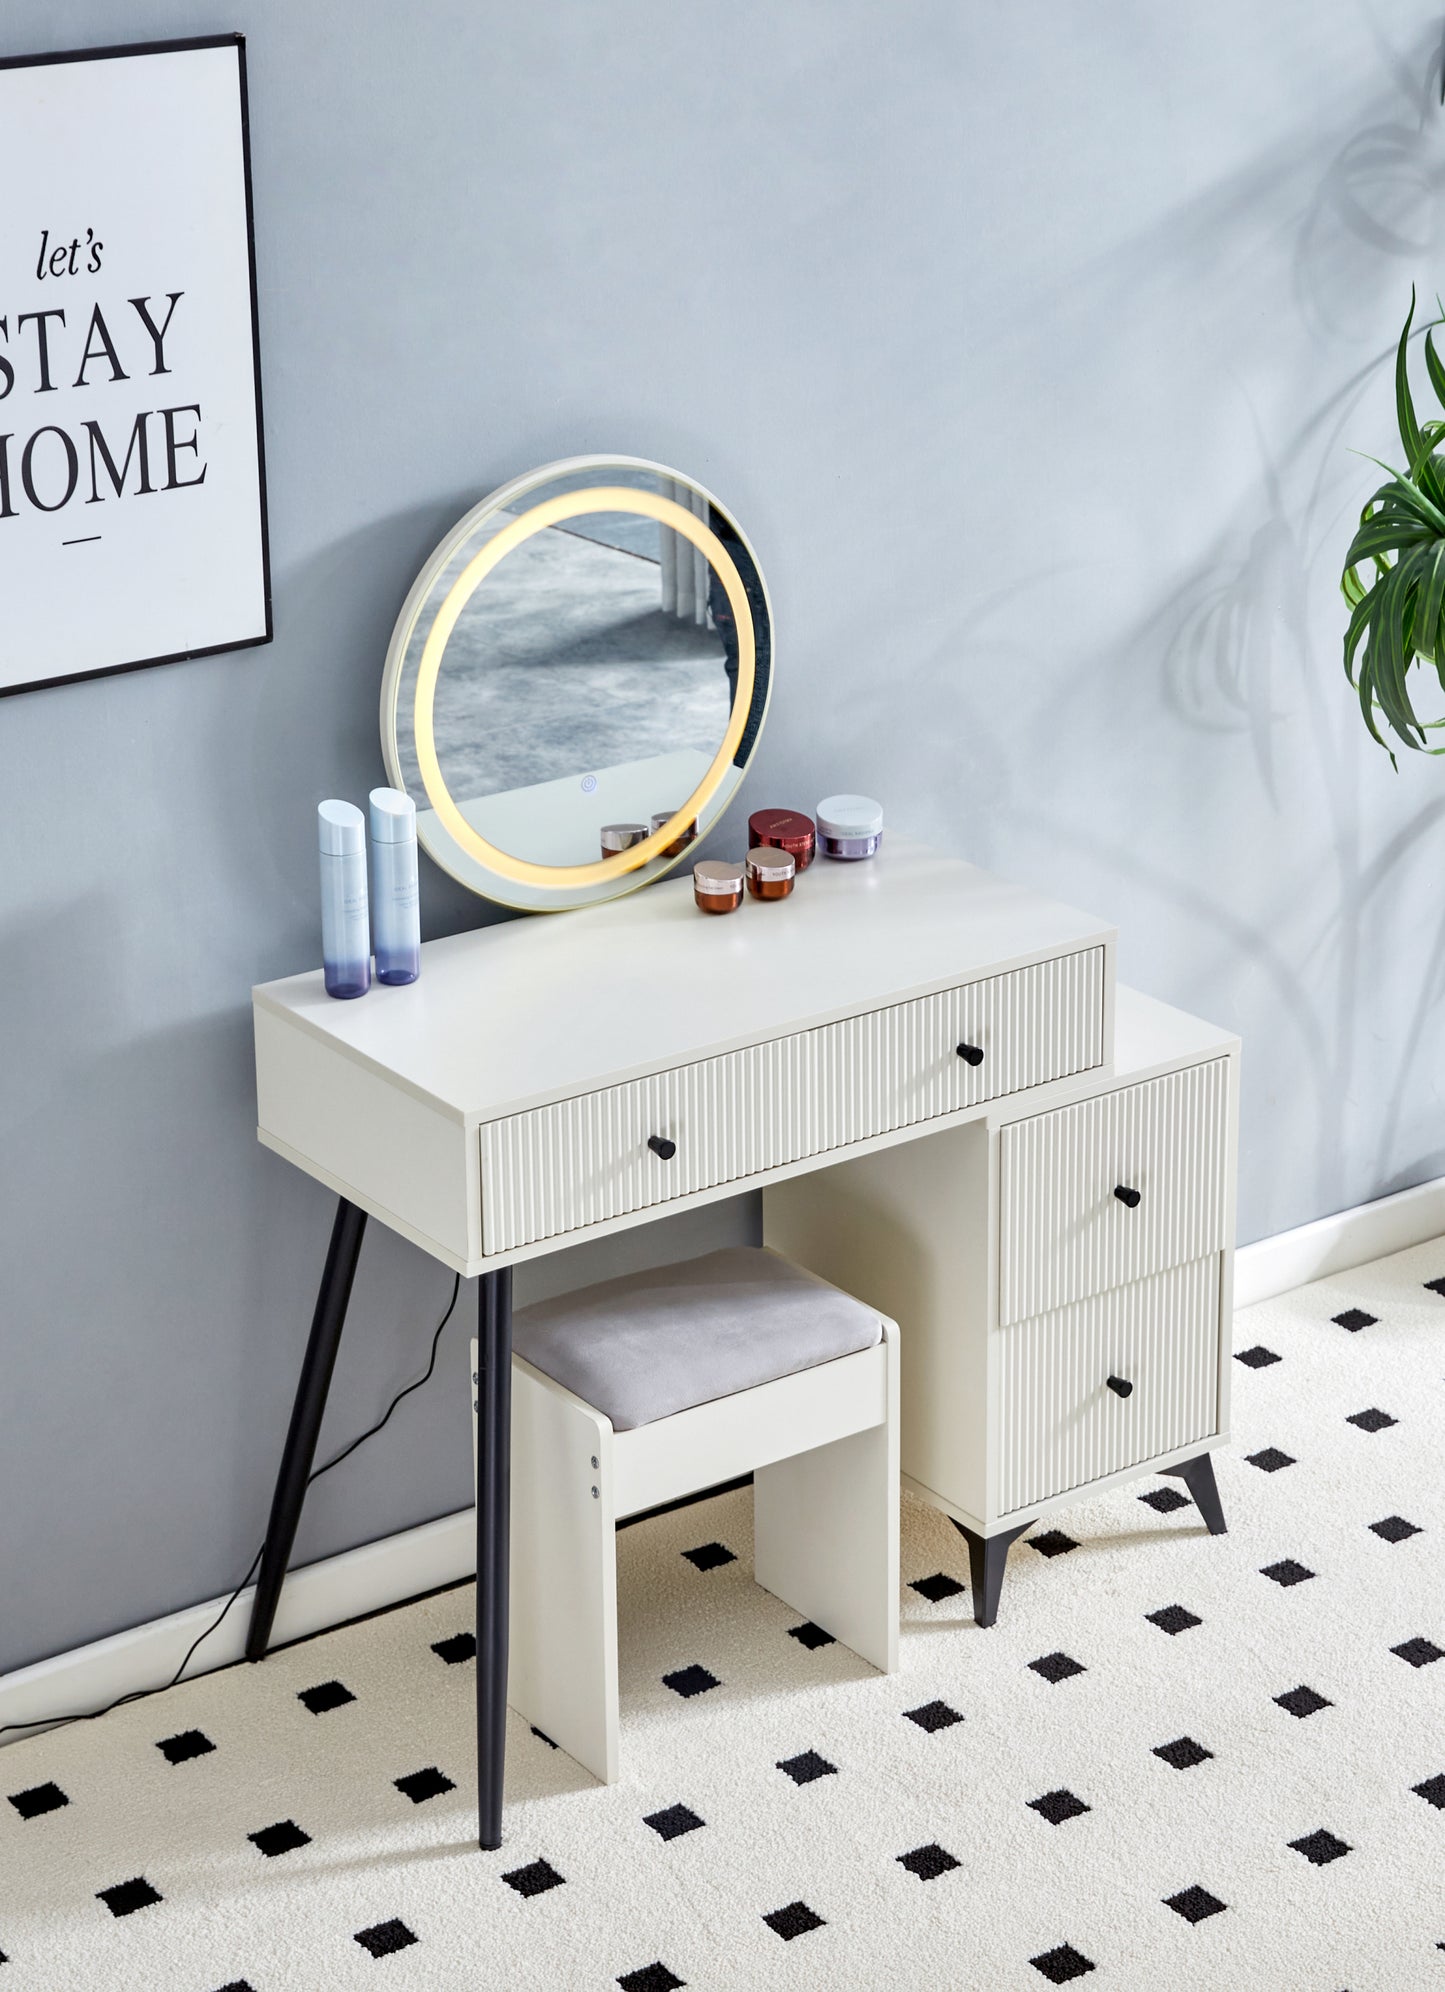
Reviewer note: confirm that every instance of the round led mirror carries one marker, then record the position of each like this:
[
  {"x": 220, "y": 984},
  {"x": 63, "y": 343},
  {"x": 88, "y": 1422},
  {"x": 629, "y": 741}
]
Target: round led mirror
[{"x": 577, "y": 681}]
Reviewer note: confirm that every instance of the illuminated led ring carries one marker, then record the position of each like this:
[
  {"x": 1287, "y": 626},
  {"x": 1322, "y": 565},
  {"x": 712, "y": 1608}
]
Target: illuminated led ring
[{"x": 602, "y": 498}]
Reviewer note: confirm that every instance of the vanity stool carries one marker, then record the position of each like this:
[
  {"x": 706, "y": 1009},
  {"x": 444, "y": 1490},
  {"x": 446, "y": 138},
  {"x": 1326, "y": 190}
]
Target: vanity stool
[{"x": 638, "y": 1391}]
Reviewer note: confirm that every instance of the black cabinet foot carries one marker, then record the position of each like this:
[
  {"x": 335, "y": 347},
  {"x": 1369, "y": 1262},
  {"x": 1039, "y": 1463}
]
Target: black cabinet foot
[
  {"x": 986, "y": 1558},
  {"x": 1198, "y": 1477}
]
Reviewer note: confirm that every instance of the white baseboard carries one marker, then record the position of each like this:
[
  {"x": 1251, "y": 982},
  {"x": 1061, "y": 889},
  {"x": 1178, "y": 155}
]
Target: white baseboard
[
  {"x": 443, "y": 1552},
  {"x": 1334, "y": 1244},
  {"x": 314, "y": 1597}
]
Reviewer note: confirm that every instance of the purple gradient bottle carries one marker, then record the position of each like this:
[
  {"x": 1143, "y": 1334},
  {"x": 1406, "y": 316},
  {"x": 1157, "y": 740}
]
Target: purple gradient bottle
[{"x": 345, "y": 921}]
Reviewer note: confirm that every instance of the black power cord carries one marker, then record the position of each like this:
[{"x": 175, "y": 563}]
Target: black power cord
[{"x": 143, "y": 1694}]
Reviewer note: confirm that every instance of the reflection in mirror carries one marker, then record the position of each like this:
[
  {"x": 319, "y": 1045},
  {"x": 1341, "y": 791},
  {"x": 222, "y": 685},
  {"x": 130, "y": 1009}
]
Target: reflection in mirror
[{"x": 590, "y": 676}]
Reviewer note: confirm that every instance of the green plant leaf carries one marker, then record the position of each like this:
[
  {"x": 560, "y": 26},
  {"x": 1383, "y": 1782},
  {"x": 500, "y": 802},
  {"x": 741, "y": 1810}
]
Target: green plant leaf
[{"x": 1404, "y": 404}]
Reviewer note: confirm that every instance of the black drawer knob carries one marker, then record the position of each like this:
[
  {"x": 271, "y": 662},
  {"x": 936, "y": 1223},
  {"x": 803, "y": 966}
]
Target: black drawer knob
[
  {"x": 1120, "y": 1385},
  {"x": 660, "y": 1145},
  {"x": 1129, "y": 1198},
  {"x": 971, "y": 1054}
]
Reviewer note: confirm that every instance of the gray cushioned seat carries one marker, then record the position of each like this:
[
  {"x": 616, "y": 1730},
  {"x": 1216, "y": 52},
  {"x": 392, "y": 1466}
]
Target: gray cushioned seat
[{"x": 642, "y": 1347}]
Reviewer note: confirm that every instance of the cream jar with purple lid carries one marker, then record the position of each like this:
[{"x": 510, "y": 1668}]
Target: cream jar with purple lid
[{"x": 849, "y": 826}]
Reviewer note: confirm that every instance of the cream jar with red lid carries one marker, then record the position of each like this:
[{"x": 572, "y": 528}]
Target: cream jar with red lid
[
  {"x": 770, "y": 873},
  {"x": 785, "y": 830},
  {"x": 850, "y": 826},
  {"x": 717, "y": 885}
]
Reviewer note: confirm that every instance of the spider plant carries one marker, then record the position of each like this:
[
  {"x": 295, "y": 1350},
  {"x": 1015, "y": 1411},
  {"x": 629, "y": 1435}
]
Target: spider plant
[{"x": 1397, "y": 618}]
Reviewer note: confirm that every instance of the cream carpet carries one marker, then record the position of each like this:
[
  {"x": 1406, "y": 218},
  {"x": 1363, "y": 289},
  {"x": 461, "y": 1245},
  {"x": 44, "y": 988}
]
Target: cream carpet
[{"x": 1176, "y": 1762}]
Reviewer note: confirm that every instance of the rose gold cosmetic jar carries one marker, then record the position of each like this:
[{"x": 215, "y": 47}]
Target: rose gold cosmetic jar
[
  {"x": 770, "y": 873},
  {"x": 680, "y": 843},
  {"x": 785, "y": 830},
  {"x": 621, "y": 837},
  {"x": 717, "y": 885},
  {"x": 850, "y": 826}
]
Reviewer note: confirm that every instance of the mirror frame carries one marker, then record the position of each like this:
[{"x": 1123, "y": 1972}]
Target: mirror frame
[{"x": 460, "y": 850}]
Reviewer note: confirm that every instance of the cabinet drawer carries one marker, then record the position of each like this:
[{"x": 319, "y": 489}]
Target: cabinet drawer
[
  {"x": 1060, "y": 1424},
  {"x": 1064, "y": 1234},
  {"x": 582, "y": 1161}
]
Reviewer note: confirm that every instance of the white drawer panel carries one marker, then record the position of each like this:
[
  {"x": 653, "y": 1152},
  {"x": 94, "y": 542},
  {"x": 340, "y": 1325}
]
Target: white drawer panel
[
  {"x": 580, "y": 1162},
  {"x": 1061, "y": 1426},
  {"x": 1063, "y": 1232}
]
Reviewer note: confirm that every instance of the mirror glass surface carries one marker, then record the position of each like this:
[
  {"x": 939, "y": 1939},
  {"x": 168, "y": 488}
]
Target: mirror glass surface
[{"x": 589, "y": 649}]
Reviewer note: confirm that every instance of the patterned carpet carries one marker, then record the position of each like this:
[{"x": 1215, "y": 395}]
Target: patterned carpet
[{"x": 1176, "y": 1762}]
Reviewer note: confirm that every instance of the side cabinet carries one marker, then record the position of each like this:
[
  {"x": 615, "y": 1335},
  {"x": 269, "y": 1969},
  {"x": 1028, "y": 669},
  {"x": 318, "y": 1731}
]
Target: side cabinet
[{"x": 1062, "y": 1281}]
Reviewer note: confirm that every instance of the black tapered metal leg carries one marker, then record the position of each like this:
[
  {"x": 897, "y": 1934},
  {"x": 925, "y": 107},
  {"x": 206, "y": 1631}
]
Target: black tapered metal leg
[
  {"x": 306, "y": 1415},
  {"x": 1198, "y": 1477},
  {"x": 987, "y": 1556},
  {"x": 494, "y": 1506}
]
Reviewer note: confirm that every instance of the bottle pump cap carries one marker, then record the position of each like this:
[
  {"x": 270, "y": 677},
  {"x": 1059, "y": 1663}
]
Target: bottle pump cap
[
  {"x": 393, "y": 817},
  {"x": 341, "y": 828}
]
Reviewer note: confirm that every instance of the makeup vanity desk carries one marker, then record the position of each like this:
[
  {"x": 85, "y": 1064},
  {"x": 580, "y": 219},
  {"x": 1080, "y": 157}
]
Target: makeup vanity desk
[{"x": 930, "y": 1075}]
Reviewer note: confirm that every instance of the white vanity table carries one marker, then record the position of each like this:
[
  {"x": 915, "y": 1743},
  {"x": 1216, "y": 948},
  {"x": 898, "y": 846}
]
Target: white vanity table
[{"x": 920, "y": 1065}]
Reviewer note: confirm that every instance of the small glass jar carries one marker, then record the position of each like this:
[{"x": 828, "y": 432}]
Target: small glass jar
[
  {"x": 785, "y": 830},
  {"x": 770, "y": 873},
  {"x": 621, "y": 837},
  {"x": 717, "y": 885},
  {"x": 679, "y": 843},
  {"x": 850, "y": 826}
]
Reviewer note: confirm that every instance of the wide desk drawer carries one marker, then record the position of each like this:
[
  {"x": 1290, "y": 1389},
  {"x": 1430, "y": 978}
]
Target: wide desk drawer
[
  {"x": 1126, "y": 1183},
  {"x": 580, "y": 1162}
]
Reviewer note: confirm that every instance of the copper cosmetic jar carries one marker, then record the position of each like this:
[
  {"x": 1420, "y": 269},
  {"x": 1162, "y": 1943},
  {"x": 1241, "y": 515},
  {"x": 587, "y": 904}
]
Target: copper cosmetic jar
[
  {"x": 850, "y": 826},
  {"x": 784, "y": 830},
  {"x": 717, "y": 885},
  {"x": 770, "y": 873},
  {"x": 679, "y": 843},
  {"x": 621, "y": 837}
]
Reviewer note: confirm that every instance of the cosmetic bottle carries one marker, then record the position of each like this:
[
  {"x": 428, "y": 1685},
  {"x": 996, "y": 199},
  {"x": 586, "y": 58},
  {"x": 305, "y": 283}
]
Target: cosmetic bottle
[
  {"x": 785, "y": 830},
  {"x": 395, "y": 907},
  {"x": 345, "y": 926},
  {"x": 850, "y": 826},
  {"x": 717, "y": 886},
  {"x": 679, "y": 843},
  {"x": 618, "y": 837},
  {"x": 770, "y": 872}
]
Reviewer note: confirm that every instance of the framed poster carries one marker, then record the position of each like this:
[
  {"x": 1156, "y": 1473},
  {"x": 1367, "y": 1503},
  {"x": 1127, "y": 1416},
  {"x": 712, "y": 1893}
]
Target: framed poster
[{"x": 132, "y": 472}]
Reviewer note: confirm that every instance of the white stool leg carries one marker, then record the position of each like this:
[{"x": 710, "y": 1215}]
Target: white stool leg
[
  {"x": 562, "y": 1658},
  {"x": 825, "y": 1530}
]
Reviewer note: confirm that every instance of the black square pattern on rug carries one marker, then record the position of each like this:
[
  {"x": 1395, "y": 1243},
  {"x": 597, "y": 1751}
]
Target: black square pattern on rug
[
  {"x": 937, "y": 1587},
  {"x": 38, "y": 1800},
  {"x": 810, "y": 1635},
  {"x": 689, "y": 1681},
  {"x": 1270, "y": 1460},
  {"x": 673, "y": 1821},
  {"x": 419, "y": 1786},
  {"x": 653, "y": 1977},
  {"x": 1057, "y": 1806},
  {"x": 929, "y": 1862},
  {"x": 933, "y": 1716},
  {"x": 542, "y": 1736},
  {"x": 1419, "y": 1652},
  {"x": 1303, "y": 1701},
  {"x": 1354, "y": 1318},
  {"x": 1194, "y": 1904},
  {"x": 1053, "y": 1542},
  {"x": 187, "y": 1743},
  {"x": 805, "y": 1768},
  {"x": 534, "y": 1879},
  {"x": 1173, "y": 1618},
  {"x": 795, "y": 1919},
  {"x": 1057, "y": 1667},
  {"x": 1259, "y": 1357},
  {"x": 709, "y": 1556},
  {"x": 1433, "y": 1791},
  {"x": 1062, "y": 1965},
  {"x": 128, "y": 1896},
  {"x": 1320, "y": 1848},
  {"x": 1394, "y": 1528},
  {"x": 1183, "y": 1753},
  {"x": 1435, "y": 1286},
  {"x": 1164, "y": 1500},
  {"x": 282, "y": 1838},
  {"x": 327, "y": 1695},
  {"x": 1286, "y": 1572},
  {"x": 460, "y": 1646},
  {"x": 1373, "y": 1420},
  {"x": 237, "y": 1985},
  {"x": 385, "y": 1939}
]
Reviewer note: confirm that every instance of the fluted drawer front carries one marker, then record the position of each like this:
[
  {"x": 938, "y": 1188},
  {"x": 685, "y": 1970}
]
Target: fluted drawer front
[
  {"x": 1061, "y": 1425},
  {"x": 1065, "y": 1234},
  {"x": 582, "y": 1161}
]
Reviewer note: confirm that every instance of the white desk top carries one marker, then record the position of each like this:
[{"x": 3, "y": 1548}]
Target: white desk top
[{"x": 536, "y": 1009}]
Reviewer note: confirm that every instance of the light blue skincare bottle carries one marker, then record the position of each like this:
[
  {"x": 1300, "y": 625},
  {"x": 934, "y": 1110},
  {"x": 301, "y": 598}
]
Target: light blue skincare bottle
[
  {"x": 345, "y": 926},
  {"x": 395, "y": 911}
]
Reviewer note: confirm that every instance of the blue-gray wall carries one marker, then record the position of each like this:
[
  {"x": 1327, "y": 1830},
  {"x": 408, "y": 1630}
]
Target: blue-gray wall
[{"x": 1027, "y": 341}]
